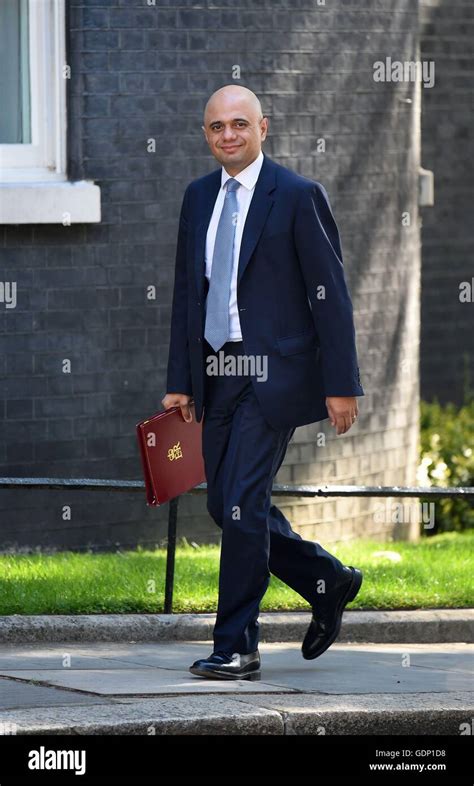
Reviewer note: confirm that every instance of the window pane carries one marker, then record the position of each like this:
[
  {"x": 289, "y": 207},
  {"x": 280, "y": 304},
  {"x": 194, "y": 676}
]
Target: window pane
[{"x": 15, "y": 125}]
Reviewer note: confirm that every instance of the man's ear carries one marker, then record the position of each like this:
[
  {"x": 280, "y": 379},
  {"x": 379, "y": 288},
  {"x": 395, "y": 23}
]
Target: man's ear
[{"x": 205, "y": 134}]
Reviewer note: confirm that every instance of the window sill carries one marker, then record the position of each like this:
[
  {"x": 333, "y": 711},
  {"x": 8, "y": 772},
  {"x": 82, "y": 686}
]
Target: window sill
[{"x": 63, "y": 202}]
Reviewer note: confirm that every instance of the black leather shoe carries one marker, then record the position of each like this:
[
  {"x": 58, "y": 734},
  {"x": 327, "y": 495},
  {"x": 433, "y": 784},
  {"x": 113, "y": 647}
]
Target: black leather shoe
[
  {"x": 222, "y": 666},
  {"x": 325, "y": 625}
]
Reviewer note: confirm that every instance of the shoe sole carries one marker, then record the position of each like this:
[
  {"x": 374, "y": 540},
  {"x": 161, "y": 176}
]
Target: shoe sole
[
  {"x": 352, "y": 590},
  {"x": 220, "y": 675}
]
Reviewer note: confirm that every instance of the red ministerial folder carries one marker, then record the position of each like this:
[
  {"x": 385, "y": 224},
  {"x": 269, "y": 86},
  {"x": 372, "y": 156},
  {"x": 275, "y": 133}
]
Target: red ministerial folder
[{"x": 171, "y": 454}]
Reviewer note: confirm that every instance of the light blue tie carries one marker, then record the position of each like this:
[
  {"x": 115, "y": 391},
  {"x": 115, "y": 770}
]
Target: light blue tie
[{"x": 216, "y": 330}]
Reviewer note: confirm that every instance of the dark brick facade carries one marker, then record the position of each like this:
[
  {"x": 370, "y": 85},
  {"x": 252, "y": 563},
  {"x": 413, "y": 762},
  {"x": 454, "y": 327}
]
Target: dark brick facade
[
  {"x": 447, "y": 345},
  {"x": 144, "y": 73}
]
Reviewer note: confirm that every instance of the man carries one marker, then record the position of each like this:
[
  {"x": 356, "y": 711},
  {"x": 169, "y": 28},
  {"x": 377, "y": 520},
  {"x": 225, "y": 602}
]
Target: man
[{"x": 259, "y": 275}]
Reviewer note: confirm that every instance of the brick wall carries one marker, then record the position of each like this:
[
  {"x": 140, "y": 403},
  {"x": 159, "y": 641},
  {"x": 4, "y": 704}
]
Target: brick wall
[
  {"x": 143, "y": 72},
  {"x": 447, "y": 356}
]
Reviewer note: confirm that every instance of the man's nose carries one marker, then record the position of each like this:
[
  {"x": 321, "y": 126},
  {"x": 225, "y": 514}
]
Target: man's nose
[{"x": 229, "y": 133}]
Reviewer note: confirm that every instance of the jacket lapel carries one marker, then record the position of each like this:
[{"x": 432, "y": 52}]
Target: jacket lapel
[
  {"x": 206, "y": 206},
  {"x": 257, "y": 215}
]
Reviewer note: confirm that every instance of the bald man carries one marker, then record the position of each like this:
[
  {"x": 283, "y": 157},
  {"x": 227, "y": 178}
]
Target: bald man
[{"x": 262, "y": 341}]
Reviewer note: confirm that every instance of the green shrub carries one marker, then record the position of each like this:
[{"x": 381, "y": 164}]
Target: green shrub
[{"x": 447, "y": 459}]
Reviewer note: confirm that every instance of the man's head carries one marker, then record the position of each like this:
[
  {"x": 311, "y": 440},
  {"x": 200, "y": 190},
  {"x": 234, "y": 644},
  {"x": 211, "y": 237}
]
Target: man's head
[{"x": 234, "y": 127}]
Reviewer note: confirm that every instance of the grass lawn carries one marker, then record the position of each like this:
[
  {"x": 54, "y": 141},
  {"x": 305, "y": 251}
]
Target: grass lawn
[{"x": 437, "y": 572}]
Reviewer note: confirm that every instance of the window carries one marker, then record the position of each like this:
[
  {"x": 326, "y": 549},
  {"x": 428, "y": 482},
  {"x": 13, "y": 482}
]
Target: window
[
  {"x": 15, "y": 120},
  {"x": 32, "y": 84},
  {"x": 33, "y": 71}
]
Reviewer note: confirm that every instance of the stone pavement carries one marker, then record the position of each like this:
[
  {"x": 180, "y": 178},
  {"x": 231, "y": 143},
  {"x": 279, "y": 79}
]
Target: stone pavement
[{"x": 145, "y": 688}]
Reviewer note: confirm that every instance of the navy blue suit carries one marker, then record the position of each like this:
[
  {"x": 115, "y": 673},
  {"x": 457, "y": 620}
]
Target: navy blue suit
[{"x": 294, "y": 309}]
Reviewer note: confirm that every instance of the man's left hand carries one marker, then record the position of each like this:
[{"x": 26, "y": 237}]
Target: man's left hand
[{"x": 343, "y": 412}]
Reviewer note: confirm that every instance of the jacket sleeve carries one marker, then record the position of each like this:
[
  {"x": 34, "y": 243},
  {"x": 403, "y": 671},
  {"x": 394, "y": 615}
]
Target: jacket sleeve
[
  {"x": 178, "y": 372},
  {"x": 319, "y": 252}
]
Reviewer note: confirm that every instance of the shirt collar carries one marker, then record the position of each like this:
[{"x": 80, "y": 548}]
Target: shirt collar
[{"x": 248, "y": 176}]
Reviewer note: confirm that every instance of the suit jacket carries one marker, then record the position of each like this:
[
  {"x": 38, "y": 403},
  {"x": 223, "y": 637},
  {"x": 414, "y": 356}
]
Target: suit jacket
[{"x": 294, "y": 304}]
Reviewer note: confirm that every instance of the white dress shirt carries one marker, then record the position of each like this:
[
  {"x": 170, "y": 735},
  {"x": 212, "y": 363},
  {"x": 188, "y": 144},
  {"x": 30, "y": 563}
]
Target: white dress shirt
[{"x": 247, "y": 178}]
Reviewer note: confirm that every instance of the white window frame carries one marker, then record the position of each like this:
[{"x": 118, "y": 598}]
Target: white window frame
[
  {"x": 33, "y": 180},
  {"x": 44, "y": 158}
]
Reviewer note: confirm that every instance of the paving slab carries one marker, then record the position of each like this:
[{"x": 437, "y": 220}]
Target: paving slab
[
  {"x": 375, "y": 668},
  {"x": 15, "y": 694},
  {"x": 130, "y": 682},
  {"x": 163, "y": 669},
  {"x": 145, "y": 688},
  {"x": 118, "y": 669},
  {"x": 109, "y": 655}
]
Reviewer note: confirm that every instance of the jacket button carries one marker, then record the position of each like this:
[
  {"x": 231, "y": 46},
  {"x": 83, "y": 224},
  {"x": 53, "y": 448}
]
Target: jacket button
[{"x": 199, "y": 339}]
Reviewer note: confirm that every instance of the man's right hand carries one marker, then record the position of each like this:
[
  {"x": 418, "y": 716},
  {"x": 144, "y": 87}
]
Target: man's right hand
[{"x": 179, "y": 400}]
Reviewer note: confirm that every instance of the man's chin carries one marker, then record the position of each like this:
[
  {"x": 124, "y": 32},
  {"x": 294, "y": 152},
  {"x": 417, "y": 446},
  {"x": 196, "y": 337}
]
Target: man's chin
[{"x": 236, "y": 157}]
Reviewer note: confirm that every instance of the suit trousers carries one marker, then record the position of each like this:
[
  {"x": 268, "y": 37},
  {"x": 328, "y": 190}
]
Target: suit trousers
[{"x": 242, "y": 454}]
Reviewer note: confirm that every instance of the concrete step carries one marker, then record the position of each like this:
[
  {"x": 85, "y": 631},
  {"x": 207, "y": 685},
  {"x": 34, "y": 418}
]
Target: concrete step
[
  {"x": 429, "y": 626},
  {"x": 383, "y": 713}
]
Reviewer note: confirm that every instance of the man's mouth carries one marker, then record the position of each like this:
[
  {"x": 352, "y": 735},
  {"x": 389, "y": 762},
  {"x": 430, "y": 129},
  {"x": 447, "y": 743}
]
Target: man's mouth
[{"x": 230, "y": 148}]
